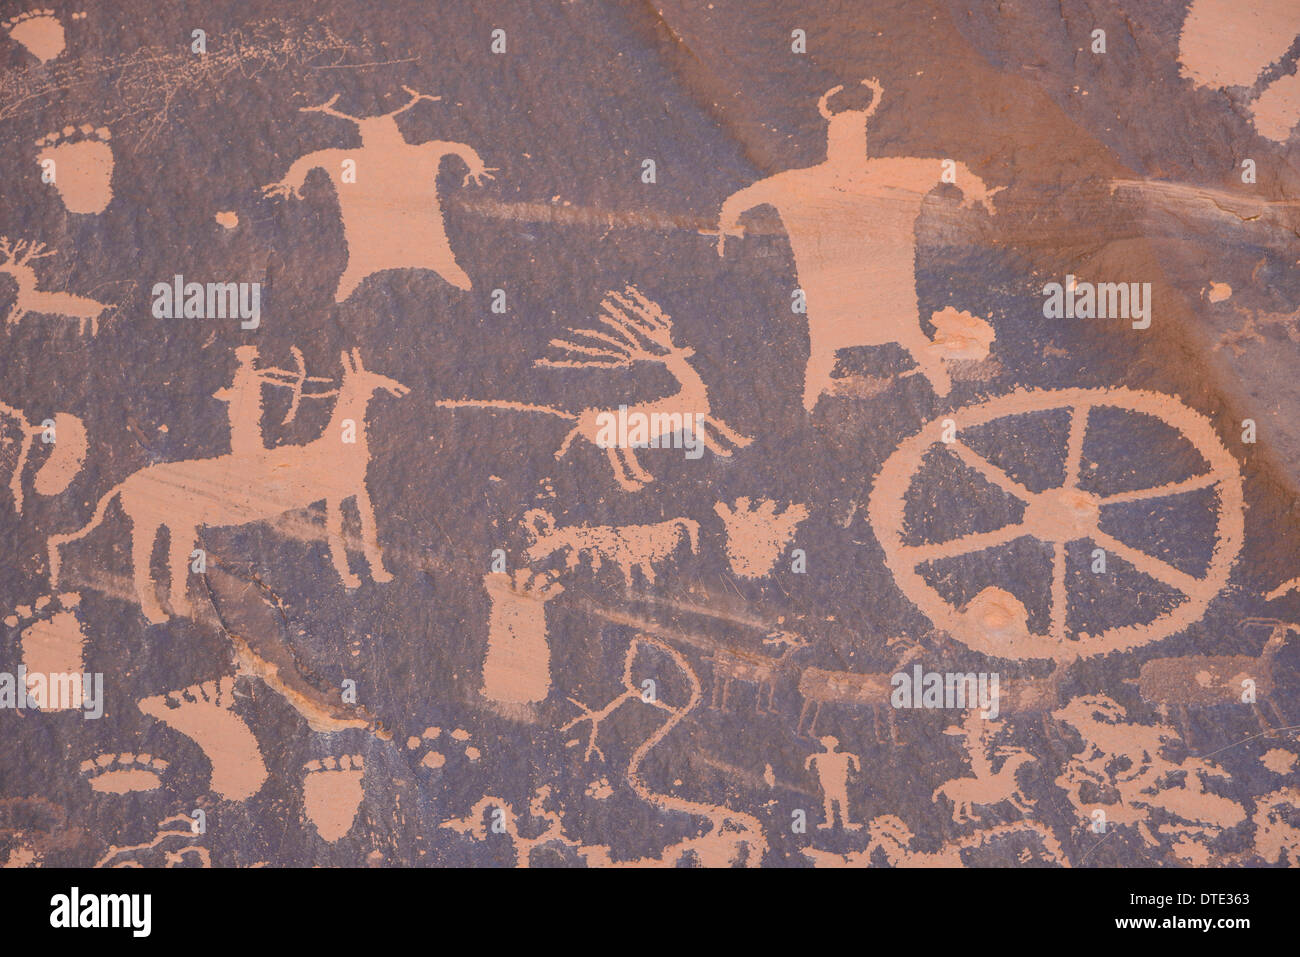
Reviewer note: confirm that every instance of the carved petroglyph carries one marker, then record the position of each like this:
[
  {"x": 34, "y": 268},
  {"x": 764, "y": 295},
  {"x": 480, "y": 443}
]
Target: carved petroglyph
[
  {"x": 629, "y": 547},
  {"x": 517, "y": 669},
  {"x": 124, "y": 773},
  {"x": 636, "y": 330},
  {"x": 851, "y": 222},
  {"x": 18, "y": 256},
  {"x": 392, "y": 211},
  {"x": 891, "y": 840},
  {"x": 203, "y": 714},
  {"x": 52, "y": 642},
  {"x": 78, "y": 161},
  {"x": 332, "y": 792},
  {"x": 757, "y": 533},
  {"x": 1128, "y": 771},
  {"x": 254, "y": 485},
  {"x": 732, "y": 837},
  {"x": 39, "y": 31},
  {"x": 985, "y": 788},
  {"x": 996, "y": 622},
  {"x": 1199, "y": 681},
  {"x": 751, "y": 667},
  {"x": 832, "y": 767}
]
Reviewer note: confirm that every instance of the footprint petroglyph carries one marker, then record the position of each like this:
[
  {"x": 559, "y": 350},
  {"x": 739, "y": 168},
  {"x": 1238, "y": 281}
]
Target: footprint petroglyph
[
  {"x": 124, "y": 773},
  {"x": 53, "y": 642},
  {"x": 39, "y": 31},
  {"x": 332, "y": 791},
  {"x": 78, "y": 162},
  {"x": 204, "y": 714}
]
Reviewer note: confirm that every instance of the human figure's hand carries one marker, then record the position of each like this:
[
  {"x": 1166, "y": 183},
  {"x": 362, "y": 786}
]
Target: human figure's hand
[{"x": 478, "y": 174}]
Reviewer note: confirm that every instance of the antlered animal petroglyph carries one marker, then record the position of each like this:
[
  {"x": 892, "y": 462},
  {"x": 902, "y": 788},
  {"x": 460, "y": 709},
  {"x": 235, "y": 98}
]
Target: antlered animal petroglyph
[
  {"x": 629, "y": 547},
  {"x": 851, "y": 222},
  {"x": 39, "y": 31},
  {"x": 388, "y": 196},
  {"x": 18, "y": 256},
  {"x": 253, "y": 485},
  {"x": 637, "y": 331}
]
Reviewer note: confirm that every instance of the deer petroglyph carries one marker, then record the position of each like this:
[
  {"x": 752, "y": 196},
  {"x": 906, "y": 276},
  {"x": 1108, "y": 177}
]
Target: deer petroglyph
[{"x": 636, "y": 330}]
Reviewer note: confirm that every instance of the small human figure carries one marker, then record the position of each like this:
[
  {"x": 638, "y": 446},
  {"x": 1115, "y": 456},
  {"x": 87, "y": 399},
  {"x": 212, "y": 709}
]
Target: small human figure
[
  {"x": 243, "y": 398},
  {"x": 832, "y": 768}
]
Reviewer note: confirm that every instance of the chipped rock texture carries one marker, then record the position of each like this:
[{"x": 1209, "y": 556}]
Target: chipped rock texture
[{"x": 710, "y": 433}]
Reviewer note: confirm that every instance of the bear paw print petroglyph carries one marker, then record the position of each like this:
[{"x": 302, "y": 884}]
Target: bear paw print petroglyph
[
  {"x": 203, "y": 714},
  {"x": 433, "y": 758},
  {"x": 52, "y": 640},
  {"x": 39, "y": 32},
  {"x": 124, "y": 773},
  {"x": 78, "y": 162},
  {"x": 332, "y": 792}
]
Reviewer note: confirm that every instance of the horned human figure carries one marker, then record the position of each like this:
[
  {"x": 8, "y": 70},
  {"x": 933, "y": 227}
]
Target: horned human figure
[
  {"x": 851, "y": 223},
  {"x": 251, "y": 485},
  {"x": 388, "y": 196}
]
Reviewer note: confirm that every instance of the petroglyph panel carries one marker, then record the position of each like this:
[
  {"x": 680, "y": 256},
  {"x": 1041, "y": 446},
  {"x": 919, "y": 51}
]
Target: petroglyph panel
[{"x": 722, "y": 434}]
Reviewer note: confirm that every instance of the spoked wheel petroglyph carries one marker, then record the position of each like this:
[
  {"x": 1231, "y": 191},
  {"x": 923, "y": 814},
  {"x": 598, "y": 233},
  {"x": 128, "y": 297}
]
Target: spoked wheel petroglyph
[{"x": 995, "y": 622}]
